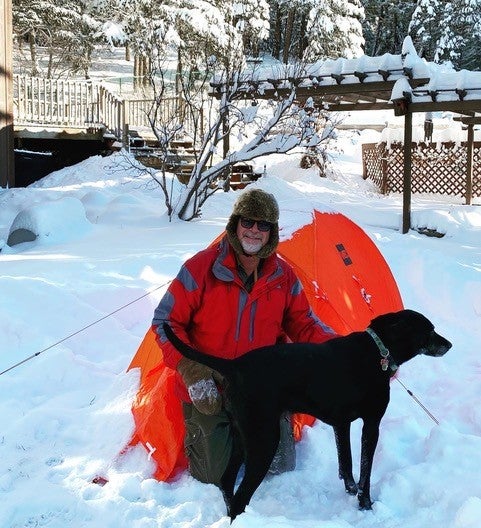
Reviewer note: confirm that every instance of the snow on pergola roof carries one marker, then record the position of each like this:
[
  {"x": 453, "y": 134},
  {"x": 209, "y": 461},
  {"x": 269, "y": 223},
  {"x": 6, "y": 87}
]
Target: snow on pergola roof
[{"x": 378, "y": 83}]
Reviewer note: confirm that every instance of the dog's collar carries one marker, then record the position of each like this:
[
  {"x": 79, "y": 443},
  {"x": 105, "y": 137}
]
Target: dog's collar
[{"x": 387, "y": 360}]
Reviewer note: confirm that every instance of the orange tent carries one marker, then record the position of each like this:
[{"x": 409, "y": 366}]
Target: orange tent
[{"x": 347, "y": 282}]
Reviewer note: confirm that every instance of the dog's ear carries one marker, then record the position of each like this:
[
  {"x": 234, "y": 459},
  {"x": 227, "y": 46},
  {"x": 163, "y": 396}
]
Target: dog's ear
[{"x": 391, "y": 323}]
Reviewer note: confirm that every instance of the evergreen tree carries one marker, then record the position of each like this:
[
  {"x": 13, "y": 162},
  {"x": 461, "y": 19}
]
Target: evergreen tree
[
  {"x": 335, "y": 30},
  {"x": 48, "y": 23},
  {"x": 67, "y": 29},
  {"x": 251, "y": 20},
  {"x": 445, "y": 31},
  {"x": 386, "y": 25},
  {"x": 288, "y": 34},
  {"x": 460, "y": 37},
  {"x": 425, "y": 27},
  {"x": 194, "y": 29},
  {"x": 313, "y": 29}
]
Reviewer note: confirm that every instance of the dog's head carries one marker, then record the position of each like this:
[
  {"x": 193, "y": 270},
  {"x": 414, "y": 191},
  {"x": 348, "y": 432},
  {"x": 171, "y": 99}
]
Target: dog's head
[{"x": 408, "y": 333}]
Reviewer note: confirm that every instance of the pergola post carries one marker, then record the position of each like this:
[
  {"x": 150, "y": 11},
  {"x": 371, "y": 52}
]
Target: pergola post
[
  {"x": 469, "y": 164},
  {"x": 408, "y": 137},
  {"x": 7, "y": 174}
]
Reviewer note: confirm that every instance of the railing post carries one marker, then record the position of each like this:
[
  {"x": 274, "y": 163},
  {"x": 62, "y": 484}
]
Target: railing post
[
  {"x": 120, "y": 118},
  {"x": 100, "y": 106},
  {"x": 125, "y": 125}
]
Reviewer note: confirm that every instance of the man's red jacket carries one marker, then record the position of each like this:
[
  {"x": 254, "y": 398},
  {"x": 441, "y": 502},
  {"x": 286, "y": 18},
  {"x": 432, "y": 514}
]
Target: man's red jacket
[{"x": 208, "y": 307}]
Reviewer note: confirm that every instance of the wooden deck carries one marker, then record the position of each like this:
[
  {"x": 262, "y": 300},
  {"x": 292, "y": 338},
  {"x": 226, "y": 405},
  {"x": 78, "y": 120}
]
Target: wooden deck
[{"x": 51, "y": 108}]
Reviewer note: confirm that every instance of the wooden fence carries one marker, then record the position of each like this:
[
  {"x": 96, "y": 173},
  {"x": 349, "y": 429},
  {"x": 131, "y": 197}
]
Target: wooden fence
[
  {"x": 438, "y": 169},
  {"x": 87, "y": 105}
]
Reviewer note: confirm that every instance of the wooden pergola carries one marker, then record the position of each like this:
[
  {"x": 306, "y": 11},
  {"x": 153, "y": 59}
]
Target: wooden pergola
[{"x": 402, "y": 83}]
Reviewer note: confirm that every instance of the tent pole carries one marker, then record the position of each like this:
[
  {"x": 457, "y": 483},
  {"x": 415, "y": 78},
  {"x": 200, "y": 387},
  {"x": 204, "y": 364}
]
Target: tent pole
[{"x": 408, "y": 135}]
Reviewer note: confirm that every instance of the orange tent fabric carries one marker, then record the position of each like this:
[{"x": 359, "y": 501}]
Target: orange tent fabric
[
  {"x": 159, "y": 424},
  {"x": 344, "y": 275},
  {"x": 347, "y": 282}
]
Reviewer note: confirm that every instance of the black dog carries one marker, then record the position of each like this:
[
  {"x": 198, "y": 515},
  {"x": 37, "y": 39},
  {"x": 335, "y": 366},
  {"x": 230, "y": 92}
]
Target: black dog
[{"x": 337, "y": 382}]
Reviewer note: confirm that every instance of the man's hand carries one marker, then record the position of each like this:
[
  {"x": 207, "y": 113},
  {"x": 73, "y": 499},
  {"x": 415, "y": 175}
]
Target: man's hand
[{"x": 200, "y": 385}]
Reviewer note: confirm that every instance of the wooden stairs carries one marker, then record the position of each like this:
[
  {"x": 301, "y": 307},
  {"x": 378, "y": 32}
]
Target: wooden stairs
[{"x": 181, "y": 161}]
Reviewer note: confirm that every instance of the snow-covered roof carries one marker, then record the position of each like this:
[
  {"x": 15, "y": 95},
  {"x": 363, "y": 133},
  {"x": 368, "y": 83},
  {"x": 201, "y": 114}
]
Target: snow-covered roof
[{"x": 368, "y": 82}]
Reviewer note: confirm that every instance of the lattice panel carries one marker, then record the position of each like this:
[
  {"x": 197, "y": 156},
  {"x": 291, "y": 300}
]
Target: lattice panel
[
  {"x": 477, "y": 170},
  {"x": 394, "y": 169},
  {"x": 434, "y": 170},
  {"x": 440, "y": 171},
  {"x": 373, "y": 164}
]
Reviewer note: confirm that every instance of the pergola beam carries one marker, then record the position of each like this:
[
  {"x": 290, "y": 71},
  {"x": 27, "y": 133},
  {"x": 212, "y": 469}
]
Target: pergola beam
[{"x": 458, "y": 107}]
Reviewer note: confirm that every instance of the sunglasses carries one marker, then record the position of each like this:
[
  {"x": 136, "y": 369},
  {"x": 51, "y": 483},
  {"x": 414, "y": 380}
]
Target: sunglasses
[{"x": 262, "y": 225}]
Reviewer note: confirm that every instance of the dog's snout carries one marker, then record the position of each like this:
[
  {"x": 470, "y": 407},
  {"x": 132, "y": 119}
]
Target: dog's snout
[{"x": 438, "y": 345}]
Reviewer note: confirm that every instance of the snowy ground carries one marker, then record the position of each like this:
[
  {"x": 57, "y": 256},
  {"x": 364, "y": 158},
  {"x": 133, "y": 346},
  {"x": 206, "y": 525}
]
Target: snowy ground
[{"x": 104, "y": 242}]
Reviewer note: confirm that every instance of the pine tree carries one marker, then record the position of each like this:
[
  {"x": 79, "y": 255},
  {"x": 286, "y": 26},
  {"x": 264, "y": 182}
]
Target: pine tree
[
  {"x": 444, "y": 31},
  {"x": 313, "y": 29},
  {"x": 425, "y": 27},
  {"x": 251, "y": 20},
  {"x": 288, "y": 33},
  {"x": 335, "y": 30},
  {"x": 460, "y": 35},
  {"x": 67, "y": 29},
  {"x": 386, "y": 25}
]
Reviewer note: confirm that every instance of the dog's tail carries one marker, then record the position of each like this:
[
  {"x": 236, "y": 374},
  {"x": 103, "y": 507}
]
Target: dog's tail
[{"x": 223, "y": 366}]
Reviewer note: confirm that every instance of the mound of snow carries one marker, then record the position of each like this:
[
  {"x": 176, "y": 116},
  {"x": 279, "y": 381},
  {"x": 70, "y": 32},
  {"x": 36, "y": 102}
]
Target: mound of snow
[{"x": 50, "y": 222}]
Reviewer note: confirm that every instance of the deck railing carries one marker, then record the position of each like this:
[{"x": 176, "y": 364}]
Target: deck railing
[
  {"x": 55, "y": 102},
  {"x": 52, "y": 103}
]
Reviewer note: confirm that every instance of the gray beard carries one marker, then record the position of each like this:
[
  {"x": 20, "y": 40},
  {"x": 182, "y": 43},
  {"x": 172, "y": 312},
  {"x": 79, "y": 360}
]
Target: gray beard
[{"x": 251, "y": 249}]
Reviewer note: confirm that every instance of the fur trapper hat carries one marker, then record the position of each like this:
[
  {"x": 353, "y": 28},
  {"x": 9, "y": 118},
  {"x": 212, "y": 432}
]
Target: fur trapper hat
[{"x": 258, "y": 205}]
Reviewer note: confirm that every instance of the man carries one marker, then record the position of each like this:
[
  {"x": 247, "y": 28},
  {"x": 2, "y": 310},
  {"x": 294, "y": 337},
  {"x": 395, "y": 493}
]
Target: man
[{"x": 226, "y": 300}]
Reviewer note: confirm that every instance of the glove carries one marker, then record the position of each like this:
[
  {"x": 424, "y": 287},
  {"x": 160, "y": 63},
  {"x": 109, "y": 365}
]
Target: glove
[{"x": 200, "y": 385}]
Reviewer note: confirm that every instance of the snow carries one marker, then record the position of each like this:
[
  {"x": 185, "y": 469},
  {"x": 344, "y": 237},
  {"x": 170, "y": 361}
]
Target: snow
[
  {"x": 76, "y": 303},
  {"x": 43, "y": 220}
]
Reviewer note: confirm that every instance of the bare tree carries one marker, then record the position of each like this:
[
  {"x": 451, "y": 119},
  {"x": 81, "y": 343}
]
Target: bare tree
[{"x": 231, "y": 108}]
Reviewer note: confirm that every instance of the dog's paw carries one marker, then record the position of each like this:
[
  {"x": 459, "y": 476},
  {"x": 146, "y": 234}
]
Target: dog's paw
[
  {"x": 351, "y": 487},
  {"x": 365, "y": 502},
  {"x": 349, "y": 484},
  {"x": 234, "y": 509}
]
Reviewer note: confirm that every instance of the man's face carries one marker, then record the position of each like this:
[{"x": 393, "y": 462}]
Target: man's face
[{"x": 250, "y": 236}]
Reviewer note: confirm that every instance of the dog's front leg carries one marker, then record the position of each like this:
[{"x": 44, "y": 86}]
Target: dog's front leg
[
  {"x": 370, "y": 435},
  {"x": 342, "y": 434}
]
